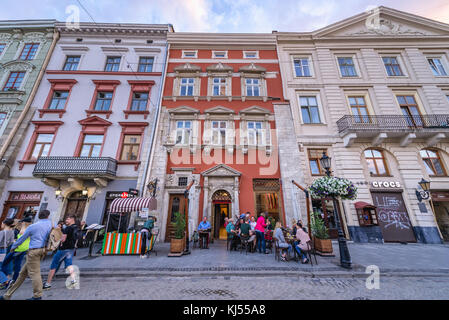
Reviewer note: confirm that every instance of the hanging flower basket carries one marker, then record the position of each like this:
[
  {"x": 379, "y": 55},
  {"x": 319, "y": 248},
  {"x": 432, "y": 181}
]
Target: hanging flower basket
[{"x": 328, "y": 187}]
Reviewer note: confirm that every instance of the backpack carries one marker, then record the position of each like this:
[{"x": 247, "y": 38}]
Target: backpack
[{"x": 54, "y": 240}]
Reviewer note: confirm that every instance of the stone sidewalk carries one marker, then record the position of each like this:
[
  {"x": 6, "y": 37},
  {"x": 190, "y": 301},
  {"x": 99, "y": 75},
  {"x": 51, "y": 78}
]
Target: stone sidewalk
[{"x": 392, "y": 259}]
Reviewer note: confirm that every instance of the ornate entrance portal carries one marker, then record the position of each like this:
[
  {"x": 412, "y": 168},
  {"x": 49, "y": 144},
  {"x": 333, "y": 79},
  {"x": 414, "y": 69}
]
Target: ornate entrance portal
[{"x": 221, "y": 200}]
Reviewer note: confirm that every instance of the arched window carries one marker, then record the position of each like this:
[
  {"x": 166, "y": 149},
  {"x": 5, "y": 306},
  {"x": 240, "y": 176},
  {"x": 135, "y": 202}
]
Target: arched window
[
  {"x": 375, "y": 160},
  {"x": 432, "y": 161}
]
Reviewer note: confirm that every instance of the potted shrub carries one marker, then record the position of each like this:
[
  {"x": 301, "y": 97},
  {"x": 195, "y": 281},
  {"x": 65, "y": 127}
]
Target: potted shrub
[
  {"x": 177, "y": 244},
  {"x": 320, "y": 234}
]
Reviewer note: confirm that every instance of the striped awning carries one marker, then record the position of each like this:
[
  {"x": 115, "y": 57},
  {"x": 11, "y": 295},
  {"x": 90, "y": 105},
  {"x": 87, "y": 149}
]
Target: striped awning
[{"x": 121, "y": 205}]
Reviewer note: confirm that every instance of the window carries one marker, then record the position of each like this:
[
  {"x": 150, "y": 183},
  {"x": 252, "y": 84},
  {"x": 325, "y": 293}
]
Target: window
[
  {"x": 255, "y": 133},
  {"x": 219, "y": 132},
  {"x": 182, "y": 181},
  {"x": 410, "y": 110},
  {"x": 187, "y": 86},
  {"x": 91, "y": 145},
  {"x": 219, "y": 54},
  {"x": 146, "y": 64},
  {"x": 314, "y": 161},
  {"x": 432, "y": 162},
  {"x": 58, "y": 100},
  {"x": 376, "y": 162},
  {"x": 103, "y": 102},
  {"x": 71, "y": 63},
  {"x": 359, "y": 109},
  {"x": 29, "y": 51},
  {"x": 347, "y": 67},
  {"x": 140, "y": 101},
  {"x": 14, "y": 81},
  {"x": 309, "y": 110},
  {"x": 219, "y": 86},
  {"x": 112, "y": 64},
  {"x": 41, "y": 146},
  {"x": 436, "y": 64},
  {"x": 392, "y": 66},
  {"x": 250, "y": 54},
  {"x": 131, "y": 146},
  {"x": 302, "y": 67},
  {"x": 189, "y": 54},
  {"x": 252, "y": 87},
  {"x": 2, "y": 118},
  {"x": 2, "y": 47},
  {"x": 183, "y": 132}
]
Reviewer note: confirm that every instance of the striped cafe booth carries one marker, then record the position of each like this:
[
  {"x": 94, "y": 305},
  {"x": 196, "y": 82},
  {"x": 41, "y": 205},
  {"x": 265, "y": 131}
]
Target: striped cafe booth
[{"x": 116, "y": 243}]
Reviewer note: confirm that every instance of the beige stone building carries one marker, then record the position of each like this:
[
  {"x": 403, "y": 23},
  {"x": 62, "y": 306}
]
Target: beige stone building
[{"x": 372, "y": 91}]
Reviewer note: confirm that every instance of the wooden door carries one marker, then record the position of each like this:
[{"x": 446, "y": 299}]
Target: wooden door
[
  {"x": 393, "y": 218},
  {"x": 176, "y": 204},
  {"x": 76, "y": 204}
]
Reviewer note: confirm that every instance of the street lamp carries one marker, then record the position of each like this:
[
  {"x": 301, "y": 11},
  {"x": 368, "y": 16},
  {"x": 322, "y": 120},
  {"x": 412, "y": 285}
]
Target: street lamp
[
  {"x": 425, "y": 195},
  {"x": 345, "y": 257}
]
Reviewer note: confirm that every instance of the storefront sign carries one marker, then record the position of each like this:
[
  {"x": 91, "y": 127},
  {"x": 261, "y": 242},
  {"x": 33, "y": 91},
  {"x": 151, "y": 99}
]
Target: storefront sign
[
  {"x": 26, "y": 196},
  {"x": 386, "y": 184},
  {"x": 117, "y": 194},
  {"x": 144, "y": 213},
  {"x": 133, "y": 192},
  {"x": 440, "y": 196}
]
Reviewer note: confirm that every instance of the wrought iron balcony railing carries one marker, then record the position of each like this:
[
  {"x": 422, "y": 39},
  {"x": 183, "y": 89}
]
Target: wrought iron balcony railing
[
  {"x": 75, "y": 166},
  {"x": 393, "y": 123}
]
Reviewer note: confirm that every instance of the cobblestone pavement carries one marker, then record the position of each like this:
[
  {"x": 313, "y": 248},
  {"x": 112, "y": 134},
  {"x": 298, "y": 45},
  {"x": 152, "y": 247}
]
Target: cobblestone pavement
[{"x": 243, "y": 288}]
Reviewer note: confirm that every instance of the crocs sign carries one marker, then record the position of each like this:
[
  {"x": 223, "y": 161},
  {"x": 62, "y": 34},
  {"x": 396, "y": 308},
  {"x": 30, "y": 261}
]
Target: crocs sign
[{"x": 386, "y": 184}]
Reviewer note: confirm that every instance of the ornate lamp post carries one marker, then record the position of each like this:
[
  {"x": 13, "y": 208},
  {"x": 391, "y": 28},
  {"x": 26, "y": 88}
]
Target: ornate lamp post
[{"x": 345, "y": 257}]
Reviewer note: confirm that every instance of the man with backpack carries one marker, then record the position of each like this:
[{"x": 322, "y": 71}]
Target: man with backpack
[
  {"x": 38, "y": 234},
  {"x": 71, "y": 234}
]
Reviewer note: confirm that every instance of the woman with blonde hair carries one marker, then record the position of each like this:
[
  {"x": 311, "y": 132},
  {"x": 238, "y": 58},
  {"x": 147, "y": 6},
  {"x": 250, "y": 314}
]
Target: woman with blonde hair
[{"x": 279, "y": 235}]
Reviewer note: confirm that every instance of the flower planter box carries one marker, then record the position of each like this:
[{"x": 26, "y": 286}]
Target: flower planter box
[
  {"x": 323, "y": 246},
  {"x": 176, "y": 247}
]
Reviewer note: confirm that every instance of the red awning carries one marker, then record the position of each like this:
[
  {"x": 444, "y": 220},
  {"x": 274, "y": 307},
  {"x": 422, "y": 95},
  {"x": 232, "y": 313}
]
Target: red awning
[
  {"x": 120, "y": 205},
  {"x": 361, "y": 205}
]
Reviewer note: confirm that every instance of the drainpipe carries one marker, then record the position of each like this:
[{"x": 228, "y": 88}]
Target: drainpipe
[
  {"x": 155, "y": 124},
  {"x": 32, "y": 95},
  {"x": 308, "y": 205}
]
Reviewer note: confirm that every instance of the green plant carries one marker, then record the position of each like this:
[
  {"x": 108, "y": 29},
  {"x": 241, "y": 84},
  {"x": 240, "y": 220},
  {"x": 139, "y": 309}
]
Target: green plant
[
  {"x": 272, "y": 221},
  {"x": 180, "y": 225},
  {"x": 318, "y": 227}
]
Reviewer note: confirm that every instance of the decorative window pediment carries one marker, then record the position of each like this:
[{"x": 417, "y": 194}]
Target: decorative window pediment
[
  {"x": 221, "y": 170},
  {"x": 219, "y": 67},
  {"x": 219, "y": 110},
  {"x": 95, "y": 121},
  {"x": 255, "y": 110},
  {"x": 17, "y": 66},
  {"x": 184, "y": 110},
  {"x": 252, "y": 68},
  {"x": 187, "y": 68}
]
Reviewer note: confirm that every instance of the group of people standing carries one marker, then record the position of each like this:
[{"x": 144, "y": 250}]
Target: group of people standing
[
  {"x": 33, "y": 240},
  {"x": 248, "y": 227}
]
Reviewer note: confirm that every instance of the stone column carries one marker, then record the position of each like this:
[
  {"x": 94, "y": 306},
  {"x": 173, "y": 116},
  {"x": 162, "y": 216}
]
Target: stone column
[
  {"x": 206, "y": 198},
  {"x": 236, "y": 196}
]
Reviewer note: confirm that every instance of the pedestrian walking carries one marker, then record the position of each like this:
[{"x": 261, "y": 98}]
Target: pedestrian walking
[
  {"x": 14, "y": 258},
  {"x": 38, "y": 234},
  {"x": 6, "y": 240},
  {"x": 70, "y": 235},
  {"x": 146, "y": 235}
]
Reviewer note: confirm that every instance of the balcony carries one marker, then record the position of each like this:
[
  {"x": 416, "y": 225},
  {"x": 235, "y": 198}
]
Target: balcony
[
  {"x": 76, "y": 167},
  {"x": 432, "y": 128}
]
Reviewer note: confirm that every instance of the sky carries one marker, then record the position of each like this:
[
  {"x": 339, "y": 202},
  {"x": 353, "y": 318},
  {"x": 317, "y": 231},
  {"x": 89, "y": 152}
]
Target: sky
[{"x": 218, "y": 15}]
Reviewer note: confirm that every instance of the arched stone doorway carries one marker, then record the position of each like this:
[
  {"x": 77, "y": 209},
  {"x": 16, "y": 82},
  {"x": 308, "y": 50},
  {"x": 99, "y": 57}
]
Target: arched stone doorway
[{"x": 221, "y": 206}]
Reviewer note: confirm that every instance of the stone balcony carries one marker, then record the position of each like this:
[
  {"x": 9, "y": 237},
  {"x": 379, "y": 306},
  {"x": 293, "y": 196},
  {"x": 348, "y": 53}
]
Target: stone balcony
[
  {"x": 405, "y": 129},
  {"x": 75, "y": 167}
]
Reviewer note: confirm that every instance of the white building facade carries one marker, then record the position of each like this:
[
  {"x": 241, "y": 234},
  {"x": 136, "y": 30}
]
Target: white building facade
[{"x": 372, "y": 92}]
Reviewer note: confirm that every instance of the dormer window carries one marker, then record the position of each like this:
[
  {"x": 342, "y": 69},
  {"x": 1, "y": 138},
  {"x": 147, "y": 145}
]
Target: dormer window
[
  {"x": 219, "y": 54},
  {"x": 189, "y": 54},
  {"x": 250, "y": 54}
]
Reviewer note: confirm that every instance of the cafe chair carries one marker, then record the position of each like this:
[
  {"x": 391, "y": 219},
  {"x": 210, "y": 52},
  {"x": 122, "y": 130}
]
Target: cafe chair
[
  {"x": 244, "y": 244},
  {"x": 310, "y": 251},
  {"x": 277, "y": 250},
  {"x": 154, "y": 234},
  {"x": 269, "y": 240}
]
